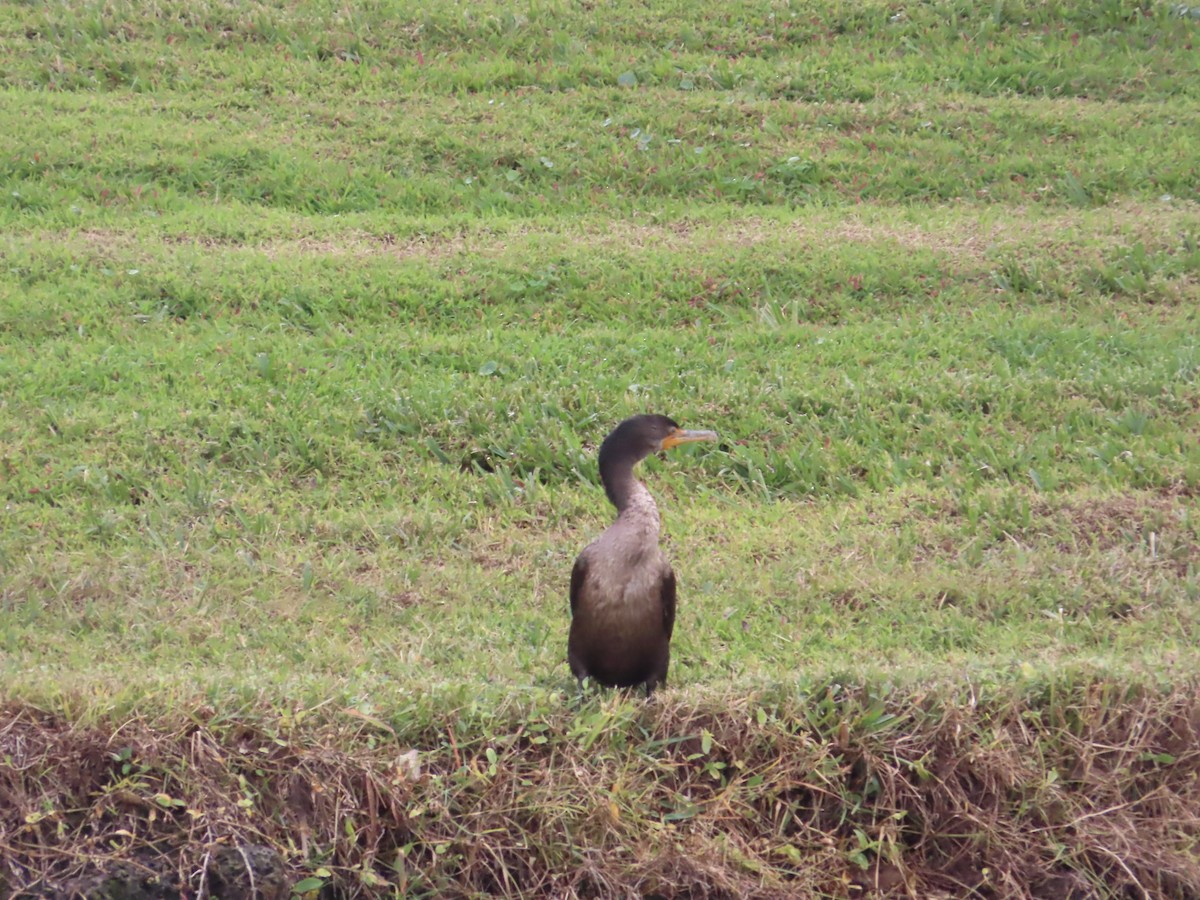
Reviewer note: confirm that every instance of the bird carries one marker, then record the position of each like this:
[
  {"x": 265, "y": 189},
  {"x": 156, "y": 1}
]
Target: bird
[{"x": 622, "y": 586}]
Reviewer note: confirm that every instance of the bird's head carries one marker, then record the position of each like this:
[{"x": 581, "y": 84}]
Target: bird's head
[{"x": 639, "y": 436}]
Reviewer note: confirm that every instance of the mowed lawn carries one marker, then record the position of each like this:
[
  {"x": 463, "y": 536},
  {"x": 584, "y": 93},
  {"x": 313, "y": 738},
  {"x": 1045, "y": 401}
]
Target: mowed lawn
[{"x": 312, "y": 317}]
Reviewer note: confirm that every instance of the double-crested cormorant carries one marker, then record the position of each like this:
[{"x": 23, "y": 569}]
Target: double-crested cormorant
[{"x": 622, "y": 587}]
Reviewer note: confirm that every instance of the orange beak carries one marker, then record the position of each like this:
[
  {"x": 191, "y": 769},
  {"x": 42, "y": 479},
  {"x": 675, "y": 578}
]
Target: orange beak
[{"x": 685, "y": 436}]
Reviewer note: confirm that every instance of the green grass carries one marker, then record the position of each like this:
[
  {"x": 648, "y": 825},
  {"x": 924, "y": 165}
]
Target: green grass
[{"x": 311, "y": 320}]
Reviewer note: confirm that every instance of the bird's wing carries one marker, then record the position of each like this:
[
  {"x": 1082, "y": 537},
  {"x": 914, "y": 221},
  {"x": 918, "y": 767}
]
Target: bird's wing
[
  {"x": 667, "y": 597},
  {"x": 578, "y": 576}
]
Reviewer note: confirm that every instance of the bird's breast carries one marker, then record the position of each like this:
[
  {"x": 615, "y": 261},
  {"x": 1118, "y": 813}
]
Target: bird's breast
[{"x": 625, "y": 587}]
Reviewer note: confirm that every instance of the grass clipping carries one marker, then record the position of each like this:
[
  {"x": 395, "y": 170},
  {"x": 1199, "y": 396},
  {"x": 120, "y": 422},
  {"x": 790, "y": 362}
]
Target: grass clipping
[{"x": 1082, "y": 790}]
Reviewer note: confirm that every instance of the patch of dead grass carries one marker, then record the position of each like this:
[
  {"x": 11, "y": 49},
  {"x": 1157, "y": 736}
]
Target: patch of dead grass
[
  {"x": 1070, "y": 525},
  {"x": 1090, "y": 789},
  {"x": 968, "y": 241}
]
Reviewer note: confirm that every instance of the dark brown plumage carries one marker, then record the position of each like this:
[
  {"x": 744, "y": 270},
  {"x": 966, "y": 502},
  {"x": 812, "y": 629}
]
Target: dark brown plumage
[{"x": 622, "y": 587}]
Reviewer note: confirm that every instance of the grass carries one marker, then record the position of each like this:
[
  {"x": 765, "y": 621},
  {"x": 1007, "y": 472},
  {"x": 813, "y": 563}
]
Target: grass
[{"x": 312, "y": 318}]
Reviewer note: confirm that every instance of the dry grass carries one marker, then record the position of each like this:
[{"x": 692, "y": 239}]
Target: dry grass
[
  {"x": 1087, "y": 791},
  {"x": 971, "y": 242}
]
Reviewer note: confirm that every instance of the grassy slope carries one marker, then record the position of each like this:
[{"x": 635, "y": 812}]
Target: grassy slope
[{"x": 313, "y": 319}]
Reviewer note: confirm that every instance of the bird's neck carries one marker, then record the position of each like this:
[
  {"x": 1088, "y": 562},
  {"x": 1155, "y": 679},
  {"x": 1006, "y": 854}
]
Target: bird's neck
[
  {"x": 628, "y": 495},
  {"x": 641, "y": 512}
]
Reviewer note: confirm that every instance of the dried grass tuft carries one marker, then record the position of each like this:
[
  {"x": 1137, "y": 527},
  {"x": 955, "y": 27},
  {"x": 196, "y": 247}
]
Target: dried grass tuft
[{"x": 1068, "y": 790}]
